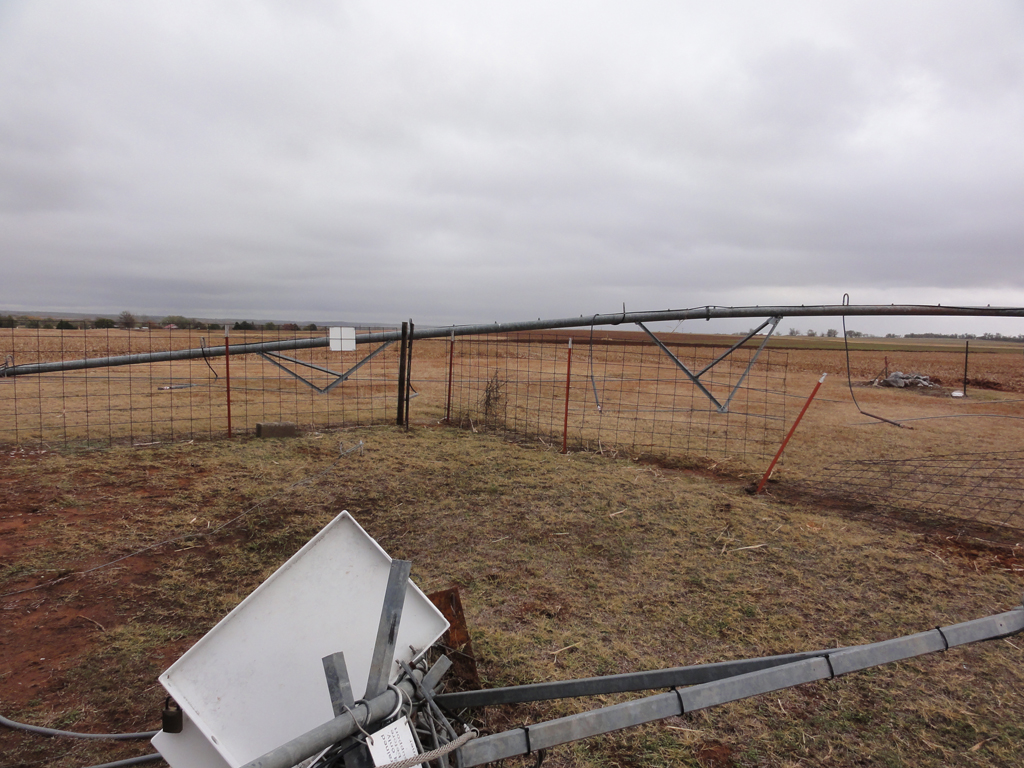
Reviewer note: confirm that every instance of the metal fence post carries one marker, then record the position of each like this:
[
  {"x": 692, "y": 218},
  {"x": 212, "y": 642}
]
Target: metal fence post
[
  {"x": 401, "y": 375},
  {"x": 568, "y": 380},
  {"x": 451, "y": 371},
  {"x": 227, "y": 373},
  {"x": 408, "y": 375},
  {"x": 768, "y": 472},
  {"x": 967, "y": 351}
]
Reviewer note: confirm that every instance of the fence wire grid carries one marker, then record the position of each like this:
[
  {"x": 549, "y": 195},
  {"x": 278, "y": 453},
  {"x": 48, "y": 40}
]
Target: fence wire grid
[
  {"x": 181, "y": 399},
  {"x": 985, "y": 488},
  {"x": 623, "y": 393},
  {"x": 594, "y": 389},
  {"x": 605, "y": 393}
]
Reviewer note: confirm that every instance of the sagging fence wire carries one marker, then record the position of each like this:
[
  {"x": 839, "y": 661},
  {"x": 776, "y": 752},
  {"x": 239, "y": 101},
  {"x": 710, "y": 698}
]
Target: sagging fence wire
[
  {"x": 849, "y": 377},
  {"x": 983, "y": 488}
]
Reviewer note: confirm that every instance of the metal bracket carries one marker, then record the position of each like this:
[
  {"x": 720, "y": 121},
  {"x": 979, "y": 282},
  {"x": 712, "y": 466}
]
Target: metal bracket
[
  {"x": 387, "y": 629},
  {"x": 270, "y": 358},
  {"x": 338, "y": 683},
  {"x": 695, "y": 377},
  {"x": 427, "y": 695}
]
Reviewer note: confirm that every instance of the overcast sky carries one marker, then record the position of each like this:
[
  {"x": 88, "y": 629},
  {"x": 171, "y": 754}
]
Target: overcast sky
[{"x": 461, "y": 162}]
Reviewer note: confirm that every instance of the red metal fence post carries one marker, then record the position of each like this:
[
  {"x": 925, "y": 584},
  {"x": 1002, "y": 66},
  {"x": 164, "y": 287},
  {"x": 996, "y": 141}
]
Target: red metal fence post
[
  {"x": 767, "y": 474},
  {"x": 568, "y": 379}
]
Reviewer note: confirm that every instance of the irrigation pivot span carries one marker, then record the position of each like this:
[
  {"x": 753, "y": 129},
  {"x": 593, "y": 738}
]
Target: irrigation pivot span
[{"x": 708, "y": 312}]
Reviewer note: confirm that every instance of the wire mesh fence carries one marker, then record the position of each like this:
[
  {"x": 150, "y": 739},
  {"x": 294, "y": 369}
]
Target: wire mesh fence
[
  {"x": 586, "y": 389},
  {"x": 978, "y": 488},
  {"x": 180, "y": 399},
  {"x": 619, "y": 392}
]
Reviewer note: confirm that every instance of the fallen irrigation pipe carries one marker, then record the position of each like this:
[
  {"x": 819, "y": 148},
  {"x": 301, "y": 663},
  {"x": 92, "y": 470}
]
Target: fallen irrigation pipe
[
  {"x": 724, "y": 682},
  {"x": 535, "y": 738}
]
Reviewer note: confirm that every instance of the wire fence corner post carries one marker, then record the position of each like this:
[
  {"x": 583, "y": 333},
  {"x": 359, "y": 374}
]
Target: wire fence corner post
[
  {"x": 451, "y": 372},
  {"x": 408, "y": 376},
  {"x": 400, "y": 418}
]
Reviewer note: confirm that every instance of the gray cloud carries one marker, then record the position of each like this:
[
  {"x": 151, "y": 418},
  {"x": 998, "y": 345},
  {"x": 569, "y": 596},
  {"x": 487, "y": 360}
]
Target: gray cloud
[{"x": 460, "y": 161}]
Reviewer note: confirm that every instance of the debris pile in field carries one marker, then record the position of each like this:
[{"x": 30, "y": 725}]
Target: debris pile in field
[{"x": 900, "y": 380}]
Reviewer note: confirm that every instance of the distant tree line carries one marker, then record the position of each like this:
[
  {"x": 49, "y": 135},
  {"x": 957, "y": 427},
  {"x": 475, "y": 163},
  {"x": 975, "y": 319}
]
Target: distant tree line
[
  {"x": 128, "y": 321},
  {"x": 830, "y": 333},
  {"x": 851, "y": 334},
  {"x": 245, "y": 325},
  {"x": 968, "y": 336}
]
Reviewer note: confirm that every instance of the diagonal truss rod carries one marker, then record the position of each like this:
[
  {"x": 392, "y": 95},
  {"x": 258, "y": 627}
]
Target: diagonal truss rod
[
  {"x": 695, "y": 377},
  {"x": 269, "y": 357},
  {"x": 627, "y": 682}
]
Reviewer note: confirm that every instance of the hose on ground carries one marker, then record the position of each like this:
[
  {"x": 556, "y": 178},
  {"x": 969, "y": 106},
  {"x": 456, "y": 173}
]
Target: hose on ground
[
  {"x": 74, "y": 734},
  {"x": 150, "y": 758}
]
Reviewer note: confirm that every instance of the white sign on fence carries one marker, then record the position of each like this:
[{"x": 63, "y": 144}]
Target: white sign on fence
[{"x": 342, "y": 339}]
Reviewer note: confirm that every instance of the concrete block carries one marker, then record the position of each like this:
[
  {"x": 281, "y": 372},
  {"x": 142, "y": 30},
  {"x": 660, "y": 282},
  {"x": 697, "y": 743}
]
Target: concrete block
[{"x": 277, "y": 429}]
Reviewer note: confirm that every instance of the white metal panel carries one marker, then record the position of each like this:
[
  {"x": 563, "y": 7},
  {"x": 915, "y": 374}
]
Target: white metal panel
[
  {"x": 188, "y": 749},
  {"x": 256, "y": 680},
  {"x": 343, "y": 339}
]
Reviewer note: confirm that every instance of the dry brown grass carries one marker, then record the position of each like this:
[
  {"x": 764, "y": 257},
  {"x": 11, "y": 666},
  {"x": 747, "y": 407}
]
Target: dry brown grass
[{"x": 569, "y": 566}]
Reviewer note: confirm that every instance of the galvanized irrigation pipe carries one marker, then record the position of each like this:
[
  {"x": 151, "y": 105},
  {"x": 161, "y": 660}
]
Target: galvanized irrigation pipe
[
  {"x": 616, "y": 318},
  {"x": 333, "y": 731},
  {"x": 541, "y": 736}
]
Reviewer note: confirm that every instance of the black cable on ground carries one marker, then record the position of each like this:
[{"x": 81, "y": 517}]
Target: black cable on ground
[
  {"x": 74, "y": 734},
  {"x": 849, "y": 378},
  {"x": 590, "y": 353},
  {"x": 202, "y": 345},
  {"x": 151, "y": 758}
]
